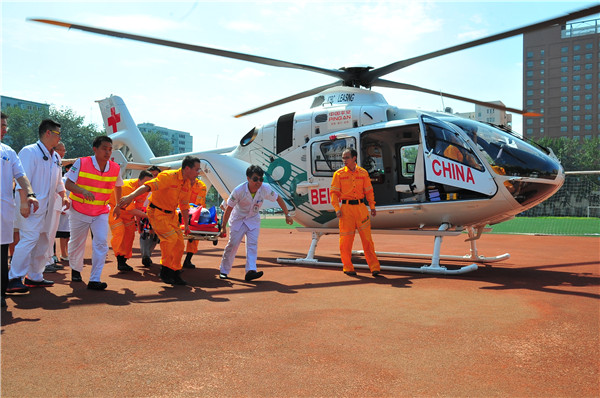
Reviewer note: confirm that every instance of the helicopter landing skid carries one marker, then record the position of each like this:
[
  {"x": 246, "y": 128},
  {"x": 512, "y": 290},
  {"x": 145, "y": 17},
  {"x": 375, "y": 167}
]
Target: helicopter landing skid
[
  {"x": 474, "y": 235},
  {"x": 433, "y": 268},
  {"x": 425, "y": 269}
]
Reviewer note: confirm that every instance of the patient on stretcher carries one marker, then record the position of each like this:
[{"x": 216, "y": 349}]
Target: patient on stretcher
[{"x": 203, "y": 220}]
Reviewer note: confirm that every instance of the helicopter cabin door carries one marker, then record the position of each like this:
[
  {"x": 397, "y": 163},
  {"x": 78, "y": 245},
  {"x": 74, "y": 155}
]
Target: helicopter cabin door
[
  {"x": 325, "y": 155},
  {"x": 452, "y": 171}
]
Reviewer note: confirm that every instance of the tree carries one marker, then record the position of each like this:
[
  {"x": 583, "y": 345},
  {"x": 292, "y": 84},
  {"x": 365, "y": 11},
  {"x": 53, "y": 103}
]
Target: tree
[
  {"x": 575, "y": 155},
  {"x": 77, "y": 137},
  {"x": 213, "y": 198},
  {"x": 23, "y": 126},
  {"x": 159, "y": 145}
]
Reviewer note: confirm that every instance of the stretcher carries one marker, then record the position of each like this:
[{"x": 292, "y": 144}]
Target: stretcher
[{"x": 204, "y": 224}]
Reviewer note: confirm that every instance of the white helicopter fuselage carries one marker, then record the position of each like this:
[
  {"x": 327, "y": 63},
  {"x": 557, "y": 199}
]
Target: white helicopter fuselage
[
  {"x": 433, "y": 174},
  {"x": 418, "y": 184}
]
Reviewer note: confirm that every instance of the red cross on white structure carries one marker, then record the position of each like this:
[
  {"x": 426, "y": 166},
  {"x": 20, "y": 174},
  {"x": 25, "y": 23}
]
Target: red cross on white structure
[{"x": 114, "y": 119}]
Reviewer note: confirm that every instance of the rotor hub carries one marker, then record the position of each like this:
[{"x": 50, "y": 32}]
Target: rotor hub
[{"x": 356, "y": 76}]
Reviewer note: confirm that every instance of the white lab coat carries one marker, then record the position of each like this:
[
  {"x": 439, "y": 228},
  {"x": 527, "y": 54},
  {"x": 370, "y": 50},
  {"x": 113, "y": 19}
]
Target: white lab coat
[
  {"x": 63, "y": 223},
  {"x": 245, "y": 222},
  {"x": 29, "y": 257},
  {"x": 10, "y": 168},
  {"x": 245, "y": 207},
  {"x": 45, "y": 177}
]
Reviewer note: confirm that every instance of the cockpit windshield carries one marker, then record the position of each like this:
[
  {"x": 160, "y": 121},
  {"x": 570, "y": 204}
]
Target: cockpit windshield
[{"x": 507, "y": 154}]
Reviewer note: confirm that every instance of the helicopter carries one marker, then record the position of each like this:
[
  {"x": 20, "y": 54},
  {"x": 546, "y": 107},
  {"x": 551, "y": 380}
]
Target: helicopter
[{"x": 433, "y": 173}]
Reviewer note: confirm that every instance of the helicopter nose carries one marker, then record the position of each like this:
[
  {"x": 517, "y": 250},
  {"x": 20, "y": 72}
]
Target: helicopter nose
[{"x": 542, "y": 177}]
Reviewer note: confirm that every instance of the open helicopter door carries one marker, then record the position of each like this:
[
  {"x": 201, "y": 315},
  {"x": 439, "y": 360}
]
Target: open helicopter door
[{"x": 452, "y": 170}]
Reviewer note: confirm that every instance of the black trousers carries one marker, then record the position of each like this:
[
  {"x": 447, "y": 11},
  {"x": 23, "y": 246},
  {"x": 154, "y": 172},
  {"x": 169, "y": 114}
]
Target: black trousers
[{"x": 4, "y": 268}]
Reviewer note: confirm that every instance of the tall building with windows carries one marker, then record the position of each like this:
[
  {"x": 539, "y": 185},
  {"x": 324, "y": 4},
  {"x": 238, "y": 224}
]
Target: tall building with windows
[
  {"x": 180, "y": 140},
  {"x": 561, "y": 81}
]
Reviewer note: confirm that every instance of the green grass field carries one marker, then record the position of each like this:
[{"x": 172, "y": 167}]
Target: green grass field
[{"x": 575, "y": 226}]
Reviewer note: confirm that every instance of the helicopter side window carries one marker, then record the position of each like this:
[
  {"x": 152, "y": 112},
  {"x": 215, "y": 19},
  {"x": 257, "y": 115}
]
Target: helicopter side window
[
  {"x": 249, "y": 137},
  {"x": 408, "y": 159},
  {"x": 327, "y": 155}
]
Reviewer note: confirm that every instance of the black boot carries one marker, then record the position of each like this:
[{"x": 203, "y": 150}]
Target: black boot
[
  {"x": 188, "y": 261},
  {"x": 166, "y": 275},
  {"x": 147, "y": 262},
  {"x": 122, "y": 264},
  {"x": 177, "y": 278}
]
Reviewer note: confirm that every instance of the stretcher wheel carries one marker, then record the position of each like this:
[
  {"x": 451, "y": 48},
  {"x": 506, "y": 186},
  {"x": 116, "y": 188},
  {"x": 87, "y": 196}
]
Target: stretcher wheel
[{"x": 215, "y": 242}]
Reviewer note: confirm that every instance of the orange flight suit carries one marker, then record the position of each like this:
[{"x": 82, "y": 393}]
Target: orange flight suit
[
  {"x": 354, "y": 185},
  {"x": 123, "y": 228},
  {"x": 198, "y": 198},
  {"x": 454, "y": 153},
  {"x": 169, "y": 190}
]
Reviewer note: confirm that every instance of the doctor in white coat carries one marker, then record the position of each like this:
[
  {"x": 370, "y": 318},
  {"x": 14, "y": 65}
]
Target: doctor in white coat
[
  {"x": 42, "y": 166},
  {"x": 243, "y": 207}
]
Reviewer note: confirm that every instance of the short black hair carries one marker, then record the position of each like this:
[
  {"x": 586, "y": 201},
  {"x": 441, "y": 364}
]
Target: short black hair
[
  {"x": 153, "y": 168},
  {"x": 100, "y": 139},
  {"x": 145, "y": 174},
  {"x": 254, "y": 169},
  {"x": 47, "y": 124},
  {"x": 352, "y": 151},
  {"x": 189, "y": 161},
  {"x": 4, "y": 115}
]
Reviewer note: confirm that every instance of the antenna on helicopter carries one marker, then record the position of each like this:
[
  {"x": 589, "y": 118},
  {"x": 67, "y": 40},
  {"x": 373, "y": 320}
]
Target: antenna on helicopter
[{"x": 442, "y": 98}]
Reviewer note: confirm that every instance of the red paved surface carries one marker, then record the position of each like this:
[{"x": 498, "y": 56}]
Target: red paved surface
[{"x": 528, "y": 326}]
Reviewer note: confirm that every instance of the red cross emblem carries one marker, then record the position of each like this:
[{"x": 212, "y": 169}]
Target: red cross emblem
[{"x": 114, "y": 119}]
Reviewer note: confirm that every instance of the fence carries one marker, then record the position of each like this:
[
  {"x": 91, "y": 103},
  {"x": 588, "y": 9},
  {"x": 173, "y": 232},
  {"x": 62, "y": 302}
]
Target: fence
[{"x": 578, "y": 197}]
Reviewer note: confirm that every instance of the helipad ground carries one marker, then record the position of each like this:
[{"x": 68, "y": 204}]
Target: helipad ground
[{"x": 528, "y": 326}]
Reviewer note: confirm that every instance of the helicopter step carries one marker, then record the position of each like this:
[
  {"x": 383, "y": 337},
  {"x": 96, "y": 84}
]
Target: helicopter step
[{"x": 433, "y": 268}]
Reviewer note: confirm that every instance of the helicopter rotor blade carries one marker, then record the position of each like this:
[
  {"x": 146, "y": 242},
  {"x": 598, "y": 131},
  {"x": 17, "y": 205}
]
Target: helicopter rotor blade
[
  {"x": 376, "y": 73},
  {"x": 354, "y": 77},
  {"x": 404, "y": 86},
  {"x": 191, "y": 47},
  {"x": 291, "y": 98}
]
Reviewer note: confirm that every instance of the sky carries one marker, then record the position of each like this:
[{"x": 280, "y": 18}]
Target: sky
[{"x": 200, "y": 93}]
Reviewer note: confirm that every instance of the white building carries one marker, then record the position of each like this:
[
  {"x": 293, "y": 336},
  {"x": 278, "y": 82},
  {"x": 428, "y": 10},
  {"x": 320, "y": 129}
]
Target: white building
[
  {"x": 489, "y": 115},
  {"x": 180, "y": 140}
]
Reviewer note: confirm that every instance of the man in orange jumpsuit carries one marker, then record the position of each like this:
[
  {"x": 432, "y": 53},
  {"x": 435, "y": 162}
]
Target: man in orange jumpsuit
[
  {"x": 453, "y": 153},
  {"x": 351, "y": 185},
  {"x": 198, "y": 198},
  {"x": 123, "y": 227},
  {"x": 169, "y": 189}
]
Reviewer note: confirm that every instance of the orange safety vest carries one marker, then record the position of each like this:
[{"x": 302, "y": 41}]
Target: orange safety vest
[{"x": 100, "y": 183}]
